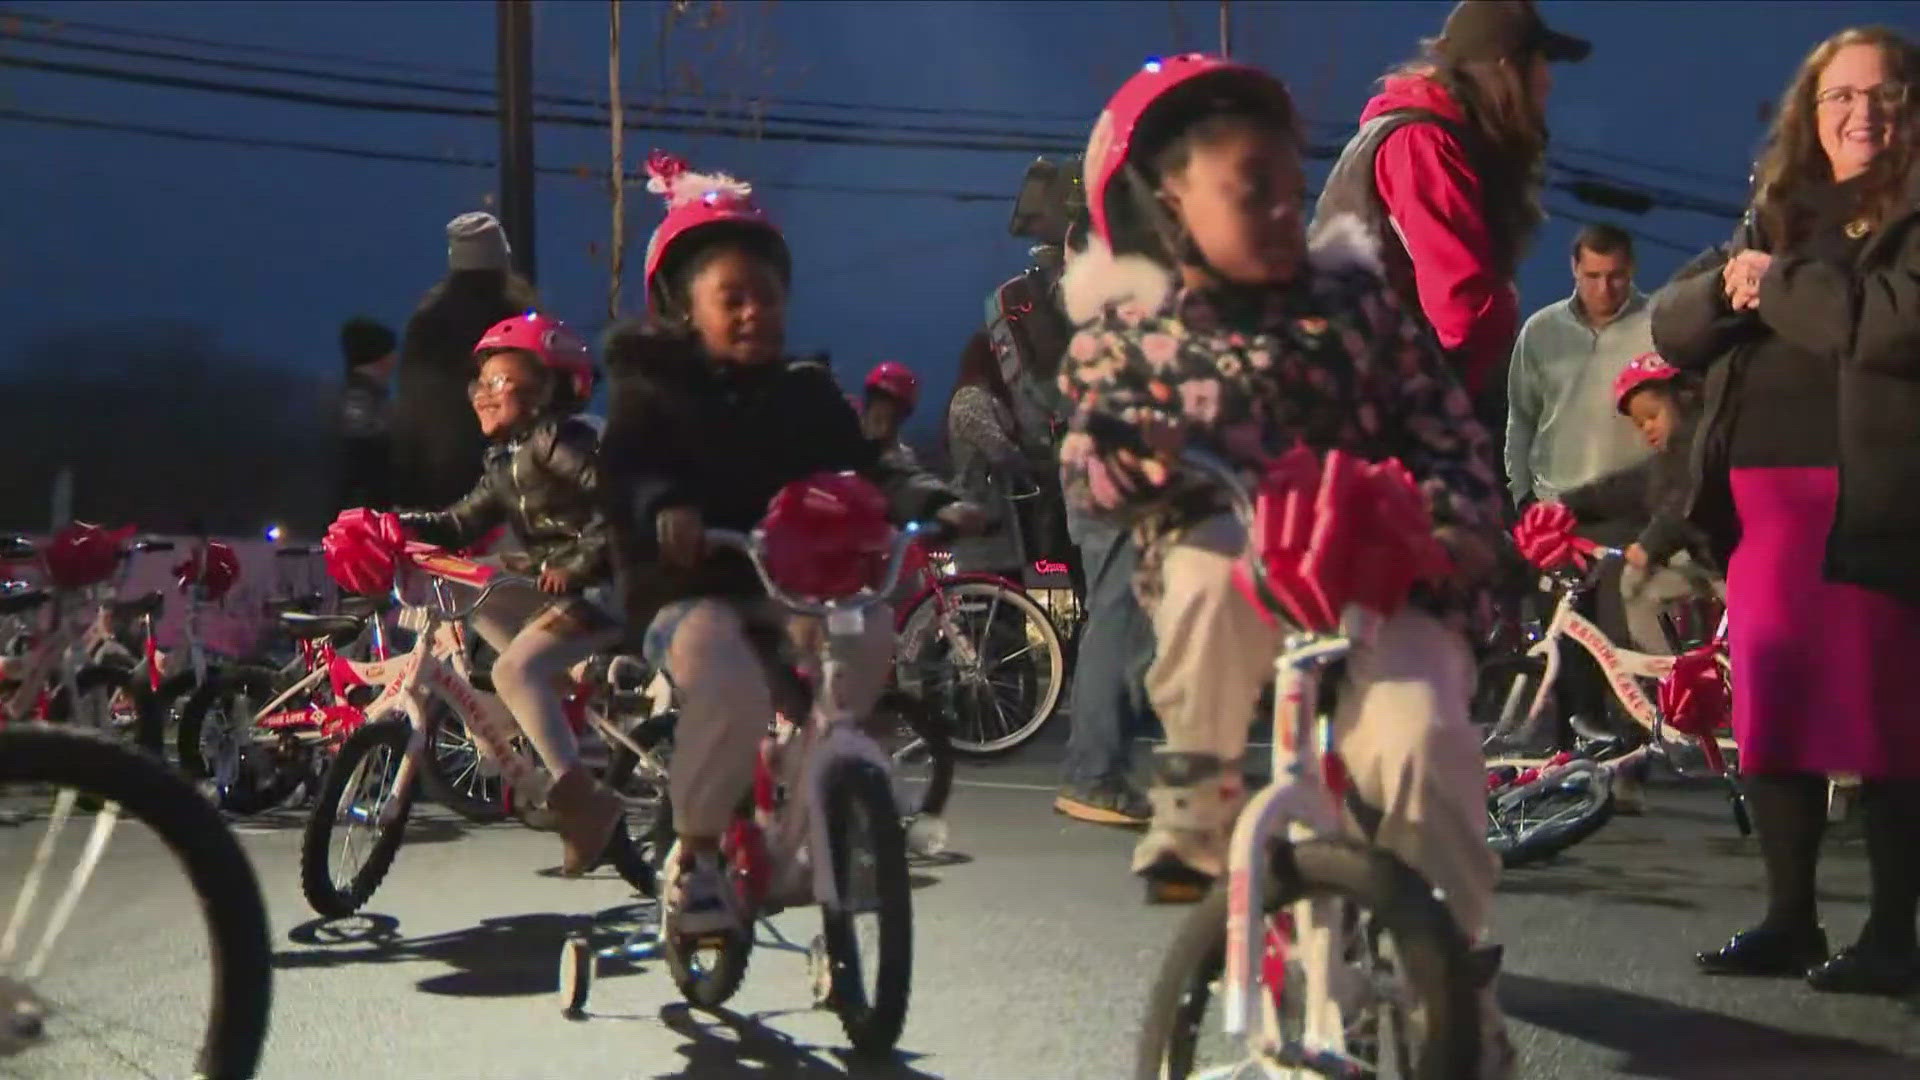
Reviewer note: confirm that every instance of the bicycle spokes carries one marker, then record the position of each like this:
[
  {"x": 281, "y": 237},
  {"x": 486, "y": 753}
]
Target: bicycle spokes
[{"x": 30, "y": 886}]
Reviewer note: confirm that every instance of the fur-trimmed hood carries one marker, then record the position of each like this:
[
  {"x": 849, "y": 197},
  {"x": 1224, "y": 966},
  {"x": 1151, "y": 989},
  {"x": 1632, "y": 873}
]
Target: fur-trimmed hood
[{"x": 1096, "y": 278}]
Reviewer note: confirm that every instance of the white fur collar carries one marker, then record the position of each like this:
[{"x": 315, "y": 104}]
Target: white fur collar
[{"x": 1095, "y": 278}]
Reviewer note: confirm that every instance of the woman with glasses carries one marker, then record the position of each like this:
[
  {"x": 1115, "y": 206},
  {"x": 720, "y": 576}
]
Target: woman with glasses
[
  {"x": 1807, "y": 327},
  {"x": 540, "y": 479}
]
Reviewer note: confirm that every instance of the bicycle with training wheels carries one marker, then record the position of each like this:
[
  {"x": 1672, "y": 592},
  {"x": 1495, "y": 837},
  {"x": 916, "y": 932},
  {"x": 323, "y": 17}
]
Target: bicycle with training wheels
[
  {"x": 1329, "y": 956},
  {"x": 372, "y": 780},
  {"x": 1538, "y": 807},
  {"x": 850, "y": 854}
]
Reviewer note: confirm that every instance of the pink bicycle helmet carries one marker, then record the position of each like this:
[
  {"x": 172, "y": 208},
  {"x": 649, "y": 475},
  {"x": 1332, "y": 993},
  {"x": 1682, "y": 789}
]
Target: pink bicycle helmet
[
  {"x": 83, "y": 554},
  {"x": 896, "y": 380},
  {"x": 1162, "y": 93},
  {"x": 701, "y": 203},
  {"x": 214, "y": 569},
  {"x": 362, "y": 549},
  {"x": 1641, "y": 370},
  {"x": 550, "y": 341},
  {"x": 826, "y": 536}
]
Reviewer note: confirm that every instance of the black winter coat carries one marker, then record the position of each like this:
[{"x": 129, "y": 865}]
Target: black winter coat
[
  {"x": 1865, "y": 319},
  {"x": 544, "y": 485},
  {"x": 681, "y": 433}
]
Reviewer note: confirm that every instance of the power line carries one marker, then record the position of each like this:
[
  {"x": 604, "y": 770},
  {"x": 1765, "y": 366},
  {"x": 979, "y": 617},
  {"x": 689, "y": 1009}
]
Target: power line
[
  {"x": 391, "y": 105},
  {"x": 367, "y": 154}
]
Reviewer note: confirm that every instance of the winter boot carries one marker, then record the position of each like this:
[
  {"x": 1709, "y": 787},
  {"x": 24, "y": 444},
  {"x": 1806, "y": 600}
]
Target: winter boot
[
  {"x": 588, "y": 812},
  {"x": 1195, "y": 798}
]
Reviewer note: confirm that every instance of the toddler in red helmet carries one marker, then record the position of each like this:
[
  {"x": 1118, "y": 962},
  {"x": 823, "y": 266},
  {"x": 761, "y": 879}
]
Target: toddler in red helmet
[
  {"x": 539, "y": 480},
  {"x": 709, "y": 417},
  {"x": 1203, "y": 317}
]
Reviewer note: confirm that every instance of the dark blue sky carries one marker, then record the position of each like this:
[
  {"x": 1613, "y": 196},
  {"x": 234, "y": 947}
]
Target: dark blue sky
[{"x": 274, "y": 247}]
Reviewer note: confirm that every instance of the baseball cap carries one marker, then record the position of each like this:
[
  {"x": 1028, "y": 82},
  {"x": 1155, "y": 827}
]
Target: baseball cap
[{"x": 1494, "y": 29}]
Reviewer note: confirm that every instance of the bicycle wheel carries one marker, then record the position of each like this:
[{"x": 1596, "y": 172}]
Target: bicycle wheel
[
  {"x": 707, "y": 969},
  {"x": 358, "y": 792},
  {"x": 869, "y": 984},
  {"x": 221, "y": 876},
  {"x": 455, "y": 773},
  {"x": 1426, "y": 1028},
  {"x": 644, "y": 788},
  {"x": 1537, "y": 821},
  {"x": 216, "y": 741},
  {"x": 999, "y": 696}
]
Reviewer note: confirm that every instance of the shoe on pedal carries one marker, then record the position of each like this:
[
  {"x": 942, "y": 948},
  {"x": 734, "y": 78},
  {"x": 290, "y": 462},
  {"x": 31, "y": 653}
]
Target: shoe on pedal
[
  {"x": 702, "y": 898},
  {"x": 587, "y": 812},
  {"x": 1195, "y": 798}
]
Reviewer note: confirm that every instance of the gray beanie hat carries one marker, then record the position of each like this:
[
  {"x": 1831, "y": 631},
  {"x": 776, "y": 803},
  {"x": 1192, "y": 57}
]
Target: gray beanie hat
[{"x": 477, "y": 242}]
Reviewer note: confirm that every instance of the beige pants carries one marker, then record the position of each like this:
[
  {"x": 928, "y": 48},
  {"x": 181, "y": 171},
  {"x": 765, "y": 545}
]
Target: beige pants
[
  {"x": 726, "y": 704},
  {"x": 1400, "y": 727}
]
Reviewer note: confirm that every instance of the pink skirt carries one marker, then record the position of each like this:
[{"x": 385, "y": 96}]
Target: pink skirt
[{"x": 1824, "y": 674}]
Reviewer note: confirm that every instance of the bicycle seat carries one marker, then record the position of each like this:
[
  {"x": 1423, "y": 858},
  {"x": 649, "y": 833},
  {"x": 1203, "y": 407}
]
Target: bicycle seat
[
  {"x": 17, "y": 549},
  {"x": 146, "y": 606},
  {"x": 281, "y": 605},
  {"x": 340, "y": 629},
  {"x": 17, "y": 597}
]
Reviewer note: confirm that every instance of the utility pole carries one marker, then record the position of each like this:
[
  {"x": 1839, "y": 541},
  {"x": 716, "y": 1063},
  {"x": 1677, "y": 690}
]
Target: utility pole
[
  {"x": 618, "y": 173},
  {"x": 514, "y": 21},
  {"x": 1226, "y": 30}
]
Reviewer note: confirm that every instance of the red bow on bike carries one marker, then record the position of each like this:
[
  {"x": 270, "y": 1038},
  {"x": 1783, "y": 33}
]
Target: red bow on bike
[
  {"x": 1545, "y": 536},
  {"x": 1694, "y": 700},
  {"x": 1339, "y": 532}
]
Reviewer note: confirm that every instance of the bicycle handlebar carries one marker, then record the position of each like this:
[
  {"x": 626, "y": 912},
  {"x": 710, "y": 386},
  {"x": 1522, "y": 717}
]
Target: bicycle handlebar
[{"x": 750, "y": 544}]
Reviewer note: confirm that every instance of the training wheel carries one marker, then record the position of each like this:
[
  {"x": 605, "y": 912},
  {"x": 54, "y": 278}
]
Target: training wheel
[{"x": 576, "y": 974}]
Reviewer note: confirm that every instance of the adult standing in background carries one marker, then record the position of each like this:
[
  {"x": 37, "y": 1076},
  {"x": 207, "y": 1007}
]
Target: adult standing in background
[
  {"x": 1446, "y": 171},
  {"x": 366, "y": 444},
  {"x": 1808, "y": 328},
  {"x": 437, "y": 445},
  {"x": 1564, "y": 429}
]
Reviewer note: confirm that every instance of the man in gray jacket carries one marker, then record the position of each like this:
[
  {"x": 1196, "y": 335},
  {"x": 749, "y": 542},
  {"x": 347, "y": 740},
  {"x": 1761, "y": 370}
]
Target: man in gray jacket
[{"x": 1563, "y": 429}]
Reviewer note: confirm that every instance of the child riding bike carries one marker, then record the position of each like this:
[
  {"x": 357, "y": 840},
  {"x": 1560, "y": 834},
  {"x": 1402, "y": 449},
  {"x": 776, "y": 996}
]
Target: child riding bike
[
  {"x": 1203, "y": 316},
  {"x": 541, "y": 481},
  {"x": 708, "y": 420},
  {"x": 1664, "y": 404}
]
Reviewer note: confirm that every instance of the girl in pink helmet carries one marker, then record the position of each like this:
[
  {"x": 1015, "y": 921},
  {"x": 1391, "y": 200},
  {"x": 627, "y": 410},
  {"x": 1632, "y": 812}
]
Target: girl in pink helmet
[
  {"x": 1203, "y": 315},
  {"x": 539, "y": 480},
  {"x": 1663, "y": 403},
  {"x": 709, "y": 417}
]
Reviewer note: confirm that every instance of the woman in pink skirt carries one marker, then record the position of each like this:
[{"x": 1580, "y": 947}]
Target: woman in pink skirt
[{"x": 1808, "y": 329}]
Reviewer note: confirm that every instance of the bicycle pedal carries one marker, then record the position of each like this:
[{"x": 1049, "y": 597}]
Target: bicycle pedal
[{"x": 1178, "y": 886}]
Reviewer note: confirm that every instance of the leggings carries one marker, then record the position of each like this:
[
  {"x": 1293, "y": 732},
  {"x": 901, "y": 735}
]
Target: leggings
[{"x": 538, "y": 638}]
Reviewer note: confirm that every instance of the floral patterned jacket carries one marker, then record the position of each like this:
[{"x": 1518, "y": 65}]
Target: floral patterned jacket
[{"x": 1331, "y": 361}]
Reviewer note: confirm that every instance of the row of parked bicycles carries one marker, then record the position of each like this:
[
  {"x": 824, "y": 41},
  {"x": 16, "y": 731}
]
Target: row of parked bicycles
[{"x": 366, "y": 703}]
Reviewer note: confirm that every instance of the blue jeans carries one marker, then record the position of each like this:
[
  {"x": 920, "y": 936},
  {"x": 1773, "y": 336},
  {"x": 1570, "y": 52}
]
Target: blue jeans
[{"x": 1109, "y": 674}]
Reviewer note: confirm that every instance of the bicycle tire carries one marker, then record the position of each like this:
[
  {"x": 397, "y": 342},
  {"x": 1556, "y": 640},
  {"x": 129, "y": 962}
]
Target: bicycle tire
[
  {"x": 1431, "y": 947},
  {"x": 658, "y": 837},
  {"x": 316, "y": 877},
  {"x": 259, "y": 684},
  {"x": 1034, "y": 616},
  {"x": 110, "y": 676},
  {"x": 1546, "y": 841},
  {"x": 930, "y": 728},
  {"x": 221, "y": 875},
  {"x": 873, "y": 1025}
]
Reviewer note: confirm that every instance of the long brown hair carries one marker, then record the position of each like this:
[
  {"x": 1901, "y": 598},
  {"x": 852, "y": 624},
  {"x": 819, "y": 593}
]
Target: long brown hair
[
  {"x": 1793, "y": 161},
  {"x": 1511, "y": 130}
]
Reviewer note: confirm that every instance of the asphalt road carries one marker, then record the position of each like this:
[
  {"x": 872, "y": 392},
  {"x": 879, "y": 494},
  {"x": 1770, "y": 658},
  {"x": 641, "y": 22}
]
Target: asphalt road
[{"x": 1033, "y": 955}]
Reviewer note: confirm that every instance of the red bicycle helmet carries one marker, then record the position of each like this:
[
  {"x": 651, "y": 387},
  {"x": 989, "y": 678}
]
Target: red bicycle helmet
[
  {"x": 826, "y": 536},
  {"x": 1161, "y": 93},
  {"x": 550, "y": 341},
  {"x": 214, "y": 569},
  {"x": 1641, "y": 370},
  {"x": 700, "y": 202},
  {"x": 896, "y": 380},
  {"x": 362, "y": 549},
  {"x": 83, "y": 554}
]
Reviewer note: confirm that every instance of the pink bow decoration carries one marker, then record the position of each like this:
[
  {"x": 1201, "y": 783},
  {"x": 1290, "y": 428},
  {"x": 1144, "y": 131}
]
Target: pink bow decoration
[
  {"x": 664, "y": 168},
  {"x": 1545, "y": 536},
  {"x": 1693, "y": 699},
  {"x": 1339, "y": 532}
]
